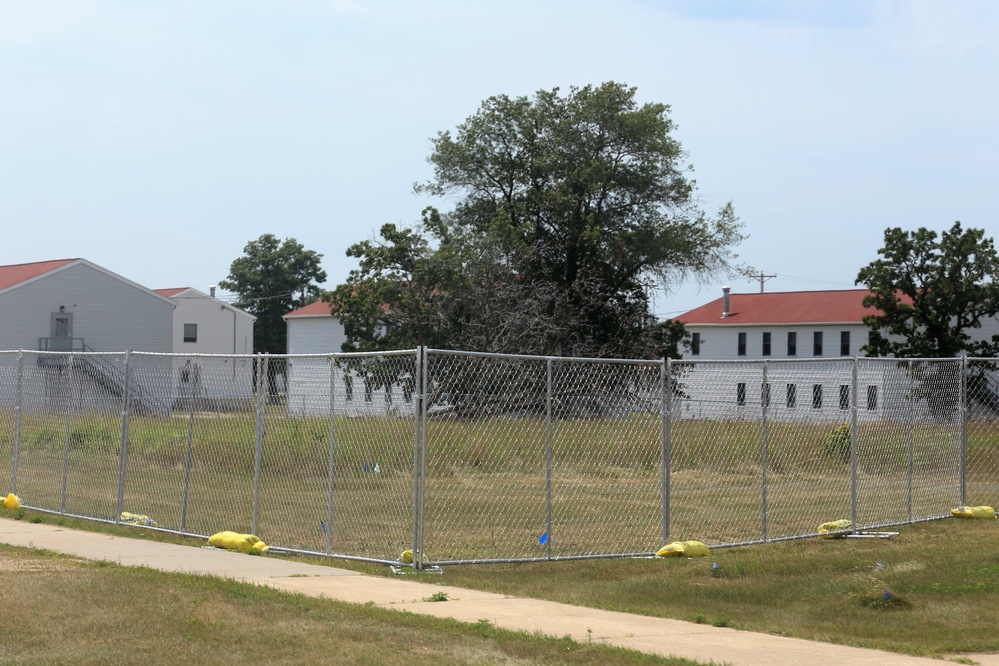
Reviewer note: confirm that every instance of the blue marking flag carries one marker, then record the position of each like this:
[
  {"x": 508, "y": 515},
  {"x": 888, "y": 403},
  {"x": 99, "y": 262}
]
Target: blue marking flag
[{"x": 543, "y": 538}]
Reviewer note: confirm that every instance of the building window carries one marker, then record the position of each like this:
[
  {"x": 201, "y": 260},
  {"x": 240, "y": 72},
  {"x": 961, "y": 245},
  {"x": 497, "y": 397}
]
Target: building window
[
  {"x": 844, "y": 343},
  {"x": 742, "y": 345},
  {"x": 740, "y": 394},
  {"x": 844, "y": 396},
  {"x": 407, "y": 393},
  {"x": 792, "y": 396},
  {"x": 190, "y": 332},
  {"x": 766, "y": 394},
  {"x": 792, "y": 343},
  {"x": 872, "y": 398},
  {"x": 368, "y": 391},
  {"x": 388, "y": 395},
  {"x": 348, "y": 387},
  {"x": 817, "y": 343},
  {"x": 695, "y": 344},
  {"x": 766, "y": 343},
  {"x": 873, "y": 337},
  {"x": 816, "y": 396}
]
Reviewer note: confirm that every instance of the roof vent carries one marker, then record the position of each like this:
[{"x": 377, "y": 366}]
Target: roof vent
[
  {"x": 725, "y": 294},
  {"x": 211, "y": 290}
]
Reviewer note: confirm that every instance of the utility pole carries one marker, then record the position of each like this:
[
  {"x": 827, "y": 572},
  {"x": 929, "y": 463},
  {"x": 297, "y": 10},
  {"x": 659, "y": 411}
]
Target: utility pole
[{"x": 762, "y": 278}]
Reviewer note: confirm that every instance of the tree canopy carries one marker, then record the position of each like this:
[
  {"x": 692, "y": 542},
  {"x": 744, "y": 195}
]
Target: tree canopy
[
  {"x": 931, "y": 292},
  {"x": 270, "y": 280},
  {"x": 570, "y": 208}
]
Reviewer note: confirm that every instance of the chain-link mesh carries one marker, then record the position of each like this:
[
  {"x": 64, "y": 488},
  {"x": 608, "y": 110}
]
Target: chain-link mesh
[
  {"x": 9, "y": 407},
  {"x": 473, "y": 457},
  {"x": 982, "y": 458}
]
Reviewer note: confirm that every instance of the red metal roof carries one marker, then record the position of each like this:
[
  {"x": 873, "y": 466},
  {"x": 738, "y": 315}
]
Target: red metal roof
[
  {"x": 18, "y": 273},
  {"x": 170, "y": 293},
  {"x": 788, "y": 307},
  {"x": 317, "y": 309}
]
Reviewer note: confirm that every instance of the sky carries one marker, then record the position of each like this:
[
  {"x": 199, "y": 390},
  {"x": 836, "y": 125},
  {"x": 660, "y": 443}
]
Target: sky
[{"x": 157, "y": 139}]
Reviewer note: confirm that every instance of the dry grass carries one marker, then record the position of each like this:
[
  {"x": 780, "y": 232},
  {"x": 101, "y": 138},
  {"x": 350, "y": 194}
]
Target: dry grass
[{"x": 59, "y": 610}]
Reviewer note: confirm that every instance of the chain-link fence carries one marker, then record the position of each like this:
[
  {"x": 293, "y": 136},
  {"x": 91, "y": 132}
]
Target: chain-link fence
[{"x": 474, "y": 458}]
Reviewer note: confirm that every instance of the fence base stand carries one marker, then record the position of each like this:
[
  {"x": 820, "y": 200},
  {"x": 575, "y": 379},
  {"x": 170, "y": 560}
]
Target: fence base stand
[
  {"x": 872, "y": 535},
  {"x": 402, "y": 571}
]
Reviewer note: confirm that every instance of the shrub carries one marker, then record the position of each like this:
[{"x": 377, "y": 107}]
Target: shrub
[{"x": 837, "y": 443}]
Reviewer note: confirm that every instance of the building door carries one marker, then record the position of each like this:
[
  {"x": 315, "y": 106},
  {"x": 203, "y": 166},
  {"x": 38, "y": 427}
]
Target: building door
[{"x": 61, "y": 331}]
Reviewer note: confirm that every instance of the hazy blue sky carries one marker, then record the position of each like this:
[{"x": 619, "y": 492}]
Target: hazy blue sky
[{"x": 157, "y": 138}]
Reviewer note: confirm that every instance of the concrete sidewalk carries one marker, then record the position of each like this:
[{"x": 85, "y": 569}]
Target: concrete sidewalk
[{"x": 651, "y": 635}]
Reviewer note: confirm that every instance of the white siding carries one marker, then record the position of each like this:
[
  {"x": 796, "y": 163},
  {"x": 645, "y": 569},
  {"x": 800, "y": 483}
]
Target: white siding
[{"x": 109, "y": 313}]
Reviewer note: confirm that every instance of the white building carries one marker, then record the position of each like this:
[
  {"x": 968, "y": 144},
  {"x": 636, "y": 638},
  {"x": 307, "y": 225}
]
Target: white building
[
  {"x": 70, "y": 307},
  {"x": 203, "y": 325},
  {"x": 805, "y": 343},
  {"x": 785, "y": 329},
  {"x": 313, "y": 335}
]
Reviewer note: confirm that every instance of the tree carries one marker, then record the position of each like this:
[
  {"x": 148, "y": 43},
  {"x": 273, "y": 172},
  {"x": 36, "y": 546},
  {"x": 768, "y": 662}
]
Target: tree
[
  {"x": 930, "y": 292},
  {"x": 270, "y": 280},
  {"x": 570, "y": 208}
]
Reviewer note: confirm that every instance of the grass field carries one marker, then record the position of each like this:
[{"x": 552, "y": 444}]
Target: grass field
[
  {"x": 487, "y": 490},
  {"x": 60, "y": 610},
  {"x": 930, "y": 590}
]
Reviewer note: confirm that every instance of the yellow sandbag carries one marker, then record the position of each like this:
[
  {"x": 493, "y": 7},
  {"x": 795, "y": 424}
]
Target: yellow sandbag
[
  {"x": 974, "y": 512},
  {"x": 834, "y": 526},
  {"x": 12, "y": 501},
  {"x": 406, "y": 557},
  {"x": 244, "y": 543},
  {"x": 684, "y": 549},
  {"x": 137, "y": 519}
]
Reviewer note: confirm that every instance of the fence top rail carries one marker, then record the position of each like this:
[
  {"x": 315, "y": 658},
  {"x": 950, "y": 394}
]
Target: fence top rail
[
  {"x": 566, "y": 359},
  {"x": 817, "y": 359}
]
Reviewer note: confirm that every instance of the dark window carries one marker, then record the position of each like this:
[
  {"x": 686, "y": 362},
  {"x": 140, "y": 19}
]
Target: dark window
[
  {"x": 348, "y": 387},
  {"x": 792, "y": 343},
  {"x": 844, "y": 343},
  {"x": 816, "y": 396},
  {"x": 742, "y": 345},
  {"x": 695, "y": 344},
  {"x": 388, "y": 395},
  {"x": 407, "y": 393},
  {"x": 872, "y": 398},
  {"x": 368, "y": 391},
  {"x": 817, "y": 343},
  {"x": 844, "y": 396},
  {"x": 766, "y": 344},
  {"x": 792, "y": 395},
  {"x": 190, "y": 332},
  {"x": 740, "y": 393},
  {"x": 766, "y": 394},
  {"x": 873, "y": 337}
]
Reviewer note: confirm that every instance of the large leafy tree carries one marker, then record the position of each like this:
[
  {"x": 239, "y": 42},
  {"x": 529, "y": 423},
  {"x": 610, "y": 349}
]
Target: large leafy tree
[
  {"x": 271, "y": 279},
  {"x": 931, "y": 292},
  {"x": 570, "y": 208}
]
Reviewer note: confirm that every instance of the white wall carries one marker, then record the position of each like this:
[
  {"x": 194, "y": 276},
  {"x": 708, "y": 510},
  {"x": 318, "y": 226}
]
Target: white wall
[{"x": 109, "y": 313}]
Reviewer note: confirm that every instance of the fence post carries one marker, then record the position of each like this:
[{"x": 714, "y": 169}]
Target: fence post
[
  {"x": 853, "y": 445},
  {"x": 764, "y": 400},
  {"x": 665, "y": 445},
  {"x": 17, "y": 421},
  {"x": 189, "y": 453},
  {"x": 331, "y": 470},
  {"x": 963, "y": 453},
  {"x": 548, "y": 462},
  {"x": 420, "y": 458},
  {"x": 126, "y": 400},
  {"x": 908, "y": 441},
  {"x": 263, "y": 386},
  {"x": 65, "y": 450}
]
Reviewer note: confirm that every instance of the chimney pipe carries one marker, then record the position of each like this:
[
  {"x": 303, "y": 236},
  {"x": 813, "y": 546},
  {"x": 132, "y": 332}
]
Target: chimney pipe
[
  {"x": 211, "y": 290},
  {"x": 725, "y": 294}
]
